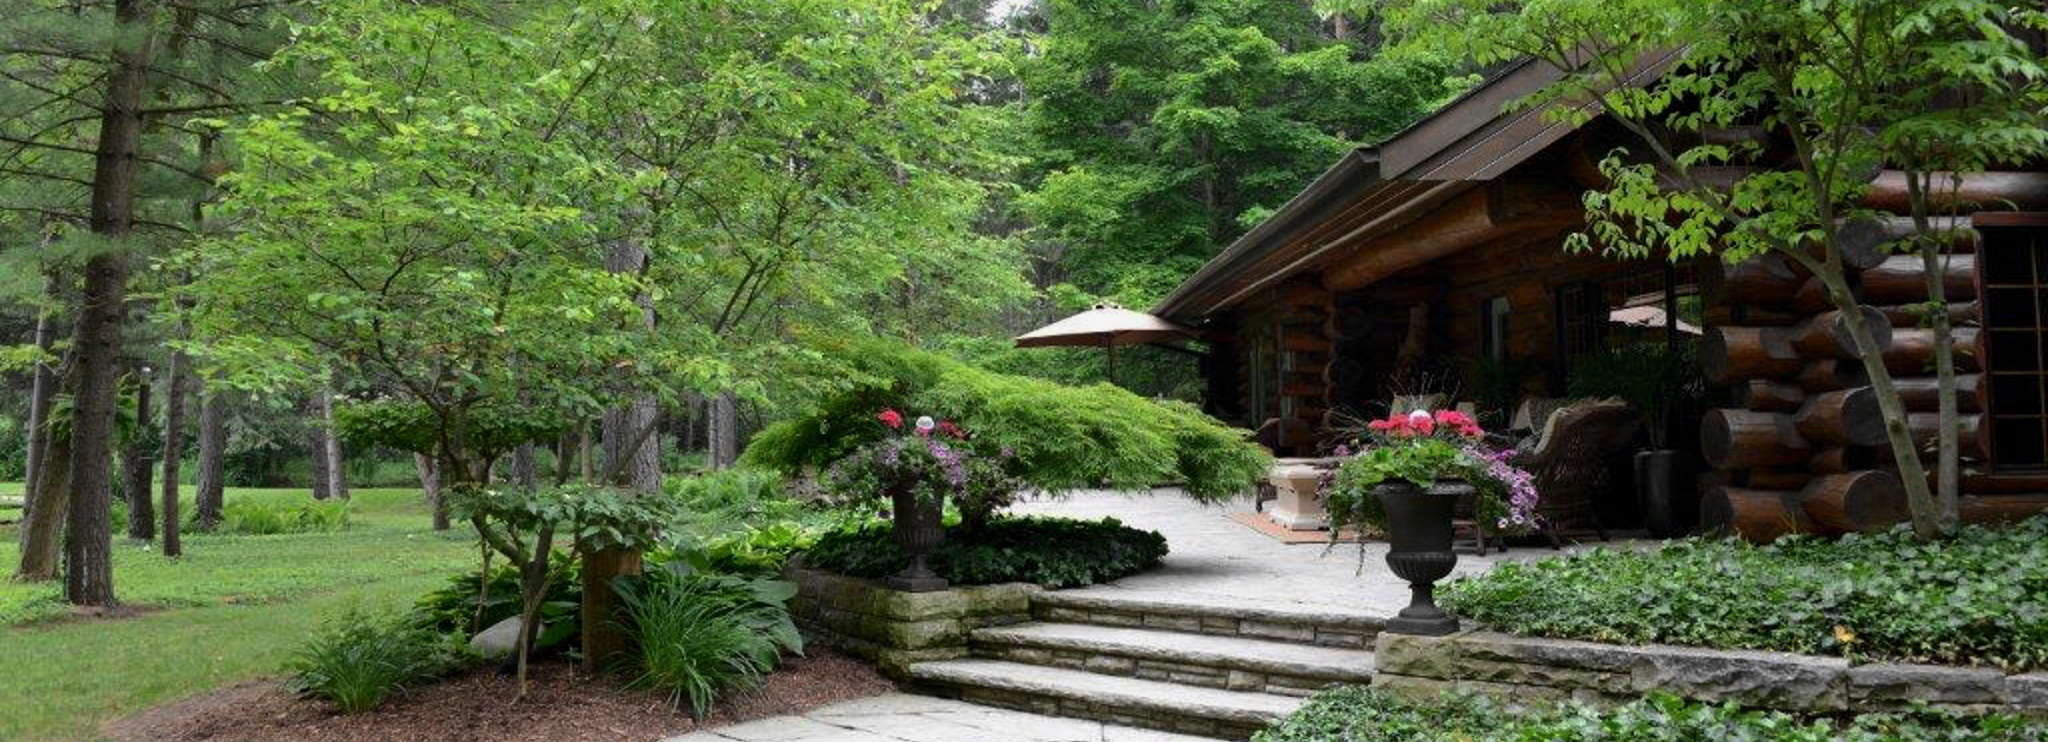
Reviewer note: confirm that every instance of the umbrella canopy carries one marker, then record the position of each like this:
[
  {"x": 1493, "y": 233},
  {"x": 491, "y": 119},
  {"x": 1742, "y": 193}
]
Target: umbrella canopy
[
  {"x": 1107, "y": 325},
  {"x": 1649, "y": 316}
]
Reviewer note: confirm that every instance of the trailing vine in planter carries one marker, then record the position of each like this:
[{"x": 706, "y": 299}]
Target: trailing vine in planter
[{"x": 1423, "y": 449}]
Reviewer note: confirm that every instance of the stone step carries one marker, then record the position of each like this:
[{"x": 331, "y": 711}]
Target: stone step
[
  {"x": 1214, "y": 661},
  {"x": 1081, "y": 694},
  {"x": 1108, "y": 608}
]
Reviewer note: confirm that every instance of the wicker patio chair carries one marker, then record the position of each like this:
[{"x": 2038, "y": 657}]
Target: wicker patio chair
[{"x": 1570, "y": 462}]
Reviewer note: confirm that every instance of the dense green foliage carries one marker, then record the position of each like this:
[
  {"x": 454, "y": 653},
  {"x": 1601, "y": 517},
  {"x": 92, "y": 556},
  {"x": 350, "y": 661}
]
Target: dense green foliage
[
  {"x": 259, "y": 518},
  {"x": 470, "y": 603},
  {"x": 1360, "y": 714},
  {"x": 362, "y": 659},
  {"x": 700, "y": 636},
  {"x": 1161, "y": 131},
  {"x": 412, "y": 427},
  {"x": 1980, "y": 597},
  {"x": 1052, "y": 552},
  {"x": 1063, "y": 437}
]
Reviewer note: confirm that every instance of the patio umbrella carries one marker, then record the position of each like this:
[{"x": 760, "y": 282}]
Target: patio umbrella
[
  {"x": 1649, "y": 316},
  {"x": 1106, "y": 326}
]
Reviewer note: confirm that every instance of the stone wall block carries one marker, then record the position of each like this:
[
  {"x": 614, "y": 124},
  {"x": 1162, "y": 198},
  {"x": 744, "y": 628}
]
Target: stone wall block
[{"x": 1768, "y": 679}]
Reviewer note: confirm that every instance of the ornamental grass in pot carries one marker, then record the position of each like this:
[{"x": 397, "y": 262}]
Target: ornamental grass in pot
[{"x": 1406, "y": 480}]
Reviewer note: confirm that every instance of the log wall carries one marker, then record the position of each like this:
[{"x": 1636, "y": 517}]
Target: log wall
[{"x": 1802, "y": 449}]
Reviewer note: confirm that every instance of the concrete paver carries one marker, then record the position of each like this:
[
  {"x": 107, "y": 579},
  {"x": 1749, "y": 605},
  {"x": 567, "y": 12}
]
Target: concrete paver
[{"x": 900, "y": 717}]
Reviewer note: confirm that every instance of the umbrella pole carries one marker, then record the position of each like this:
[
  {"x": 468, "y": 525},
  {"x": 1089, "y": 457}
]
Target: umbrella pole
[{"x": 1110, "y": 346}]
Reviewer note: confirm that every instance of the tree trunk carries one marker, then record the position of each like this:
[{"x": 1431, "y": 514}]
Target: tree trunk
[
  {"x": 583, "y": 452},
  {"x": 632, "y": 460},
  {"x": 88, "y": 565},
  {"x": 525, "y": 473},
  {"x": 42, "y": 389},
  {"x": 1919, "y": 499},
  {"x": 430, "y": 482},
  {"x": 137, "y": 469},
  {"x": 174, "y": 450},
  {"x": 337, "y": 470},
  {"x": 316, "y": 449},
  {"x": 51, "y": 501},
  {"x": 213, "y": 440},
  {"x": 723, "y": 431},
  {"x": 1936, "y": 268}
]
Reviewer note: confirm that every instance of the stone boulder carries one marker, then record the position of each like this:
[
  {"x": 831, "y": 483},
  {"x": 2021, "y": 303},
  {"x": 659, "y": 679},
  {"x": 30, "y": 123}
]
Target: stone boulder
[{"x": 500, "y": 640}]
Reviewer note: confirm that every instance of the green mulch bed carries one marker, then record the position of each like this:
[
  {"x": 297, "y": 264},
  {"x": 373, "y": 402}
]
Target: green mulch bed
[
  {"x": 1980, "y": 598},
  {"x": 1360, "y": 714}
]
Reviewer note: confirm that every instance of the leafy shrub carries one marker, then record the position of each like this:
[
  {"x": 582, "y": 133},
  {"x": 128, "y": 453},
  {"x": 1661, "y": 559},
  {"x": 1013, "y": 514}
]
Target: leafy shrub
[
  {"x": 455, "y": 608},
  {"x": 1063, "y": 437},
  {"x": 752, "y": 551},
  {"x": 1360, "y": 714},
  {"x": 362, "y": 659},
  {"x": 1053, "y": 552},
  {"x": 699, "y": 636},
  {"x": 1978, "y": 598},
  {"x": 264, "y": 517}
]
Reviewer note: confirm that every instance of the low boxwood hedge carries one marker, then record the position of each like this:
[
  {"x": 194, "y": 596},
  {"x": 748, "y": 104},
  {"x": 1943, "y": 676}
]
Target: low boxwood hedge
[
  {"x": 1360, "y": 714},
  {"x": 1053, "y": 552},
  {"x": 1980, "y": 597}
]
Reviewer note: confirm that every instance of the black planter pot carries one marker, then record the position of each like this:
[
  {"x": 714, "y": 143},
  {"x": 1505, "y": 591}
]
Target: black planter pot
[
  {"x": 1419, "y": 541},
  {"x": 919, "y": 530},
  {"x": 1658, "y": 494}
]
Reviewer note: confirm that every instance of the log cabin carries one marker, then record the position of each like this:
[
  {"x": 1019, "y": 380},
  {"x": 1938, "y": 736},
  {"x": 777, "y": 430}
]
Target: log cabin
[{"x": 1434, "y": 261}]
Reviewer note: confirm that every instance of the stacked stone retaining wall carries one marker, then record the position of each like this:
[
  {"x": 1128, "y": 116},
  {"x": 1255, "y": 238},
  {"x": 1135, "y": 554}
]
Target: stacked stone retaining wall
[
  {"x": 1521, "y": 668},
  {"x": 894, "y": 629}
]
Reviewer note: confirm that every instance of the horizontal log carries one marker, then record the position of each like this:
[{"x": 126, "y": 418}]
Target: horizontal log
[
  {"x": 1788, "y": 479},
  {"x": 1922, "y": 393},
  {"x": 1866, "y": 241},
  {"x": 1830, "y": 374},
  {"x": 1764, "y": 279},
  {"x": 1770, "y": 396},
  {"x": 1745, "y": 439},
  {"x": 1915, "y": 315},
  {"x": 1846, "y": 417},
  {"x": 1760, "y": 516},
  {"x": 1827, "y": 335},
  {"x": 2001, "y": 509},
  {"x": 1864, "y": 501},
  {"x": 1926, "y": 427},
  {"x": 1730, "y": 354},
  {"x": 1988, "y": 191},
  {"x": 1911, "y": 352},
  {"x": 1902, "y": 279},
  {"x": 1812, "y": 296},
  {"x": 1843, "y": 459}
]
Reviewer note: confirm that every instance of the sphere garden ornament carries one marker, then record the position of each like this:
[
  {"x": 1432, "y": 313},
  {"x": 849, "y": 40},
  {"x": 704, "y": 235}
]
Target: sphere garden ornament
[{"x": 1406, "y": 481}]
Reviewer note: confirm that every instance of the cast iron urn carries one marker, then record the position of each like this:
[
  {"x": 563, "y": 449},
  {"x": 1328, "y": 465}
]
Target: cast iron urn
[
  {"x": 919, "y": 529},
  {"x": 1419, "y": 540}
]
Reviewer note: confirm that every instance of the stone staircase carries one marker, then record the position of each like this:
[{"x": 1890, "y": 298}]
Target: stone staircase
[{"x": 1183, "y": 667}]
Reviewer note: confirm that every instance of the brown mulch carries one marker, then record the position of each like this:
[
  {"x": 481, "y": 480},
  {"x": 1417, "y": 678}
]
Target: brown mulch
[{"x": 561, "y": 706}]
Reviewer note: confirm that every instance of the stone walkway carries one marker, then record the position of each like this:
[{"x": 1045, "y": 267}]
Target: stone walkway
[
  {"x": 1216, "y": 561},
  {"x": 900, "y": 717}
]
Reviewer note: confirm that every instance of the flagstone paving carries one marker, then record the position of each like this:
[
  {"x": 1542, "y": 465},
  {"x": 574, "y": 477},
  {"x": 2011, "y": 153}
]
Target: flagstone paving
[{"x": 899, "y": 717}]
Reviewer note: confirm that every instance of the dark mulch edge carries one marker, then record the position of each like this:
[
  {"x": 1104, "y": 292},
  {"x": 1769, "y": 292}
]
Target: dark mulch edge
[{"x": 562, "y": 705}]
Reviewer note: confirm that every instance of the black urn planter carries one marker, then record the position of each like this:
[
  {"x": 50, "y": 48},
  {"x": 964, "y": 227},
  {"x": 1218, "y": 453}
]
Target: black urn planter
[
  {"x": 1658, "y": 494},
  {"x": 1419, "y": 541},
  {"x": 919, "y": 530}
]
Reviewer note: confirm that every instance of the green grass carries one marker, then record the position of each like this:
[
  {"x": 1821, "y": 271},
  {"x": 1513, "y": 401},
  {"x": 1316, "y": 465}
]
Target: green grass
[{"x": 233, "y": 608}]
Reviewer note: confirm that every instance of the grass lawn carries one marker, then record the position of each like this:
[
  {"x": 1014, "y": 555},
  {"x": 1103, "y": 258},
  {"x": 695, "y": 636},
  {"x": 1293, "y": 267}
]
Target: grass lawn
[{"x": 233, "y": 608}]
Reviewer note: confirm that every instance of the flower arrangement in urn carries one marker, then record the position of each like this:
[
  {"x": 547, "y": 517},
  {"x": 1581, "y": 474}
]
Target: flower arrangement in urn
[
  {"x": 916, "y": 467},
  {"x": 1406, "y": 480}
]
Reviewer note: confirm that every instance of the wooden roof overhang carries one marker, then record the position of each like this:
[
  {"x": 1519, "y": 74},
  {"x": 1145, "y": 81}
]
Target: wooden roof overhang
[{"x": 1358, "y": 210}]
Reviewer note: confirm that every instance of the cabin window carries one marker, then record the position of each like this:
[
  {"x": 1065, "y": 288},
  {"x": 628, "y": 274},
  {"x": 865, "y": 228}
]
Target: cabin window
[
  {"x": 1581, "y": 324},
  {"x": 1262, "y": 388},
  {"x": 2013, "y": 269},
  {"x": 1493, "y": 334}
]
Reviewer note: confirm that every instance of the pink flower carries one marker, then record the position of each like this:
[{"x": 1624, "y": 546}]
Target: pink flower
[
  {"x": 890, "y": 418},
  {"x": 1460, "y": 422}
]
